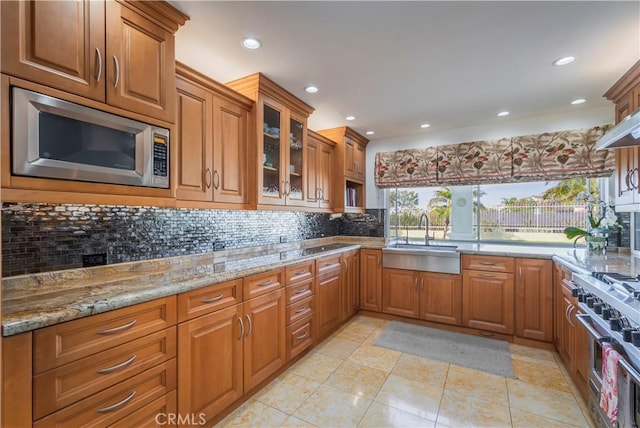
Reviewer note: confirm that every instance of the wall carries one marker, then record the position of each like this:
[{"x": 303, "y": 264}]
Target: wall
[
  {"x": 580, "y": 118},
  {"x": 47, "y": 237}
]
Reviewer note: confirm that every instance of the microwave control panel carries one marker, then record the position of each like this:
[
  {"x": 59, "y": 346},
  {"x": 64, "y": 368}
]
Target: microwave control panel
[{"x": 160, "y": 155}]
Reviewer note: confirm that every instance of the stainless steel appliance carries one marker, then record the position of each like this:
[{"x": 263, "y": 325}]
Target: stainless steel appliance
[
  {"x": 53, "y": 138},
  {"x": 624, "y": 134},
  {"x": 610, "y": 303}
]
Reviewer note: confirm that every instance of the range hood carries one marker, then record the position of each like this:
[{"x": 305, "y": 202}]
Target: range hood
[{"x": 624, "y": 134}]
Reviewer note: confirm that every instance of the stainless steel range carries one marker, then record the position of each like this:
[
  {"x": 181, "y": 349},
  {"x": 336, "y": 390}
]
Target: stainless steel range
[{"x": 611, "y": 306}]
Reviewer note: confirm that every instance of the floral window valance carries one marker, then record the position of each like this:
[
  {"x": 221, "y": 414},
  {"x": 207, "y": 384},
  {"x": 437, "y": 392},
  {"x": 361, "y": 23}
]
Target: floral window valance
[{"x": 542, "y": 157}]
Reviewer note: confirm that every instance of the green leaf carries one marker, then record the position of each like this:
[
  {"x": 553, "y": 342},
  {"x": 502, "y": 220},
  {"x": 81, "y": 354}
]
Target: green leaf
[{"x": 573, "y": 232}]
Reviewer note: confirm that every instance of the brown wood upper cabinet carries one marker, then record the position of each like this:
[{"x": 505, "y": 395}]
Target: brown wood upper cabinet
[
  {"x": 350, "y": 177},
  {"x": 281, "y": 136},
  {"x": 212, "y": 123},
  {"x": 534, "y": 299},
  {"x": 625, "y": 93},
  {"x": 116, "y": 52},
  {"x": 320, "y": 170}
]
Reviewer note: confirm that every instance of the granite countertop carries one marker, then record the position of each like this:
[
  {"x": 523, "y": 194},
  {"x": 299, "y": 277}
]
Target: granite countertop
[{"x": 39, "y": 300}]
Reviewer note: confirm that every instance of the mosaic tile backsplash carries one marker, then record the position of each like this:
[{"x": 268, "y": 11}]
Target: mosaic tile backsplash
[{"x": 47, "y": 237}]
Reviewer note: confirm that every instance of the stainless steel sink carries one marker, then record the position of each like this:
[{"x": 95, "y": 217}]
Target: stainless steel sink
[{"x": 427, "y": 258}]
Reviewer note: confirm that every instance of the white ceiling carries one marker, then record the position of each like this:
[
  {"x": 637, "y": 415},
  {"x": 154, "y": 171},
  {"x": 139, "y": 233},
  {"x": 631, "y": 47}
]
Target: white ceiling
[{"x": 395, "y": 65}]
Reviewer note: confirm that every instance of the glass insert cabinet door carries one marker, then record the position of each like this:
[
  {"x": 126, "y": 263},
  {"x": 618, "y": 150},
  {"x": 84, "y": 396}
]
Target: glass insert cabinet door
[
  {"x": 294, "y": 184},
  {"x": 271, "y": 147}
]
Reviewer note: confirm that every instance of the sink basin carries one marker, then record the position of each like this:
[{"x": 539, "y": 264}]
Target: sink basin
[{"x": 426, "y": 258}]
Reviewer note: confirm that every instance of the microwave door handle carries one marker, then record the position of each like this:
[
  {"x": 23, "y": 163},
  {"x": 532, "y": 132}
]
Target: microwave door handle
[
  {"x": 630, "y": 369},
  {"x": 584, "y": 320}
]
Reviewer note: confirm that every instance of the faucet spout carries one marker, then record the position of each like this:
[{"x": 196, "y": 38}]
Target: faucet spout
[{"x": 424, "y": 216}]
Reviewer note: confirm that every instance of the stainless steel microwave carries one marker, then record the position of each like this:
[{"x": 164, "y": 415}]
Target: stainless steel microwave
[{"x": 53, "y": 138}]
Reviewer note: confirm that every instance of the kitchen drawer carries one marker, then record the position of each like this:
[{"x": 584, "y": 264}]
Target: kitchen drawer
[
  {"x": 64, "y": 385},
  {"x": 66, "y": 342},
  {"x": 262, "y": 283},
  {"x": 328, "y": 264},
  {"x": 489, "y": 263},
  {"x": 209, "y": 299},
  {"x": 115, "y": 403},
  {"x": 158, "y": 413},
  {"x": 299, "y": 337},
  {"x": 299, "y": 310},
  {"x": 297, "y": 292},
  {"x": 299, "y": 272}
]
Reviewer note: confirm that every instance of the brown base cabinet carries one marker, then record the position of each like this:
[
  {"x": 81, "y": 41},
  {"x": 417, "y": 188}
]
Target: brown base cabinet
[
  {"x": 328, "y": 290},
  {"x": 351, "y": 284},
  {"x": 425, "y": 295},
  {"x": 371, "y": 280},
  {"x": 534, "y": 299},
  {"x": 570, "y": 338},
  {"x": 487, "y": 300},
  {"x": 229, "y": 351}
]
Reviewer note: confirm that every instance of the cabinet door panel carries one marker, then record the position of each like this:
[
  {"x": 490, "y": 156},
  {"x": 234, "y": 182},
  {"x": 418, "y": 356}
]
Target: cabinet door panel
[
  {"x": 325, "y": 175},
  {"x": 400, "y": 291},
  {"x": 626, "y": 174},
  {"x": 264, "y": 340},
  {"x": 36, "y": 48},
  {"x": 488, "y": 301},
  {"x": 327, "y": 309},
  {"x": 371, "y": 280},
  {"x": 313, "y": 173},
  {"x": 230, "y": 152},
  {"x": 534, "y": 299},
  {"x": 195, "y": 175},
  {"x": 441, "y": 298},
  {"x": 205, "y": 387},
  {"x": 349, "y": 158},
  {"x": 141, "y": 70}
]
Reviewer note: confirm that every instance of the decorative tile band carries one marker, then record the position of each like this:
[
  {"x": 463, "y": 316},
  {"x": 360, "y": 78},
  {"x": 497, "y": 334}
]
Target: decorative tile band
[{"x": 48, "y": 237}]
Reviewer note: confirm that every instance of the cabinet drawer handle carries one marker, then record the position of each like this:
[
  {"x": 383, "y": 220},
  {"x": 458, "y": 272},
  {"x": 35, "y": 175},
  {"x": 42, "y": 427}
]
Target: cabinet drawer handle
[
  {"x": 486, "y": 275},
  {"x": 486, "y": 334},
  {"x": 264, "y": 284},
  {"x": 209, "y": 179},
  {"x": 118, "y": 404},
  {"x": 250, "y": 325},
  {"x": 301, "y": 272},
  {"x": 241, "y": 328},
  {"x": 99, "y": 72},
  {"x": 212, "y": 299},
  {"x": 118, "y": 366},
  {"x": 300, "y": 292},
  {"x": 216, "y": 183},
  {"x": 331, "y": 264},
  {"x": 117, "y": 329},
  {"x": 303, "y": 336},
  {"x": 487, "y": 263},
  {"x": 299, "y": 311},
  {"x": 115, "y": 61}
]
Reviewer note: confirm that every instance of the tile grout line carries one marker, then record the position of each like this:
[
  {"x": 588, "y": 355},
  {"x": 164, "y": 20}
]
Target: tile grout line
[{"x": 442, "y": 396}]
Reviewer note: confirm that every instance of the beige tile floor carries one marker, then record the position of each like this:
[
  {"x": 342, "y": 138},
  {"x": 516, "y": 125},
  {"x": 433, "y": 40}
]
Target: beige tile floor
[{"x": 348, "y": 382}]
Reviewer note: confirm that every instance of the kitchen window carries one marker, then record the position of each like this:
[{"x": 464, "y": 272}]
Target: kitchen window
[{"x": 531, "y": 212}]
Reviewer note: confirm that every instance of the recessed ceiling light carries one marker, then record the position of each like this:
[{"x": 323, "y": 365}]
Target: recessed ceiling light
[
  {"x": 503, "y": 113},
  {"x": 564, "y": 60},
  {"x": 369, "y": 132},
  {"x": 311, "y": 89},
  {"x": 578, "y": 101},
  {"x": 350, "y": 118},
  {"x": 425, "y": 125},
  {"x": 251, "y": 43}
]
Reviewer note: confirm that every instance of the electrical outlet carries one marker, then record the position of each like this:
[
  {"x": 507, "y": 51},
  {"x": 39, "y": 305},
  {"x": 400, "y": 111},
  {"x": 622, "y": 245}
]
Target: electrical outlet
[
  {"x": 284, "y": 239},
  {"x": 89, "y": 260},
  {"x": 218, "y": 245}
]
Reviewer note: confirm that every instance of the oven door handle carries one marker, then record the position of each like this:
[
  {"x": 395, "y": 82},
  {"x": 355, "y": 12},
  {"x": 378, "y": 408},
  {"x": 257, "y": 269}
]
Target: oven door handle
[
  {"x": 584, "y": 320},
  {"x": 630, "y": 369}
]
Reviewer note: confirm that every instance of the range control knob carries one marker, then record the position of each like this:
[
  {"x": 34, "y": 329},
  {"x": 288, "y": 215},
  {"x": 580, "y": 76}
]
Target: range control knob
[
  {"x": 597, "y": 307},
  {"x": 606, "y": 313},
  {"x": 590, "y": 301},
  {"x": 636, "y": 295},
  {"x": 615, "y": 324},
  {"x": 575, "y": 292}
]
